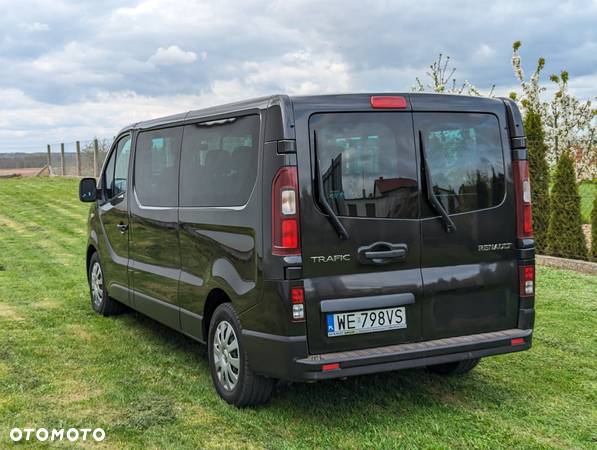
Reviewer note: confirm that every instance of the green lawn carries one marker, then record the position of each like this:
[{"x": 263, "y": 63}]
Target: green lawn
[
  {"x": 587, "y": 190},
  {"x": 61, "y": 365}
]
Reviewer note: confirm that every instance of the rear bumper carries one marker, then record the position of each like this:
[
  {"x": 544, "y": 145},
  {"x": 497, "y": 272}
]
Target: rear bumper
[{"x": 287, "y": 357}]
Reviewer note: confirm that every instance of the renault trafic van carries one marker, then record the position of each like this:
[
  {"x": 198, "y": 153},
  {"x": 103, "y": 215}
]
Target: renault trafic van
[{"x": 308, "y": 238}]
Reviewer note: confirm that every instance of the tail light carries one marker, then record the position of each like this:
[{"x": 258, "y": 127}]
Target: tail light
[
  {"x": 297, "y": 295},
  {"x": 527, "y": 280},
  {"x": 522, "y": 186},
  {"x": 285, "y": 213}
]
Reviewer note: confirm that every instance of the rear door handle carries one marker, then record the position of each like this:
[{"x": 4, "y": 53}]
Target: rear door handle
[
  {"x": 400, "y": 253},
  {"x": 122, "y": 227},
  {"x": 382, "y": 253}
]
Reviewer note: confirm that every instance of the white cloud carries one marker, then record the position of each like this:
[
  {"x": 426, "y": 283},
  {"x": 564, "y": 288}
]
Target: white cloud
[
  {"x": 35, "y": 26},
  {"x": 171, "y": 56},
  {"x": 483, "y": 52},
  {"x": 76, "y": 69}
]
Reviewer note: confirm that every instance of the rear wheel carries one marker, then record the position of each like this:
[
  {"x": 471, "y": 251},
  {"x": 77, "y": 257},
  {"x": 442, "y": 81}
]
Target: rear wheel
[
  {"x": 100, "y": 301},
  {"x": 455, "y": 368},
  {"x": 234, "y": 381}
]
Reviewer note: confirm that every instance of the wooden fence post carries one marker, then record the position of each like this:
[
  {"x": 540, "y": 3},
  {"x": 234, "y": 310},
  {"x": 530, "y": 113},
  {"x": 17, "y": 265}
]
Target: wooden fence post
[
  {"x": 78, "y": 159},
  {"x": 95, "y": 155},
  {"x": 49, "y": 160},
  {"x": 62, "y": 163}
]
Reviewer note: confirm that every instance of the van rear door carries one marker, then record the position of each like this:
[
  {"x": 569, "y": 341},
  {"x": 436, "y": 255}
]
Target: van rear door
[
  {"x": 469, "y": 273},
  {"x": 364, "y": 289}
]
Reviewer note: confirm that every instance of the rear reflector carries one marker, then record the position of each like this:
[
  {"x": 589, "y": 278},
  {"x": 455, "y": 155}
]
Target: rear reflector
[
  {"x": 388, "y": 101},
  {"x": 328, "y": 367},
  {"x": 517, "y": 341}
]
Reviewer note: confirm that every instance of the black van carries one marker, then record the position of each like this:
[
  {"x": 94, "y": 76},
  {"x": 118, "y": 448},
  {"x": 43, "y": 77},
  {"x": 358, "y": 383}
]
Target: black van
[{"x": 307, "y": 238}]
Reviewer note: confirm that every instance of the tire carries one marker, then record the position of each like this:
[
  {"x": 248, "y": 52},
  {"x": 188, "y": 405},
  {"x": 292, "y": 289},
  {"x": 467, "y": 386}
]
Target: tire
[
  {"x": 234, "y": 381},
  {"x": 455, "y": 368},
  {"x": 100, "y": 300}
]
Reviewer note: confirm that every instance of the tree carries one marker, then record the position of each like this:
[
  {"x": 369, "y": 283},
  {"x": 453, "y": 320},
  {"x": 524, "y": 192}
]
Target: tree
[
  {"x": 539, "y": 171},
  {"x": 568, "y": 123},
  {"x": 594, "y": 229},
  {"x": 442, "y": 80},
  {"x": 565, "y": 236},
  {"x": 533, "y": 125}
]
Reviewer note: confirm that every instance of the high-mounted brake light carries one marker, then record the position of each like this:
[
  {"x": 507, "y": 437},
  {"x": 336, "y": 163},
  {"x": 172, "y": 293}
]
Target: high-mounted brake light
[
  {"x": 388, "y": 101},
  {"x": 285, "y": 213},
  {"x": 522, "y": 187}
]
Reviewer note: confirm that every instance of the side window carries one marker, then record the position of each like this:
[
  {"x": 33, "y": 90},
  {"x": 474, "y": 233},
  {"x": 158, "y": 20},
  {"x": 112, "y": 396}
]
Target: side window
[
  {"x": 466, "y": 160},
  {"x": 368, "y": 165},
  {"x": 116, "y": 172},
  {"x": 108, "y": 181},
  {"x": 219, "y": 162},
  {"x": 156, "y": 167},
  {"x": 121, "y": 168}
]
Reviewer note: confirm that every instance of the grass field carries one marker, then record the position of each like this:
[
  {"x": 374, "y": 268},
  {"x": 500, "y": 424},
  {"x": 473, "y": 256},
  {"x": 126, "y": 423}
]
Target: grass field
[{"x": 61, "y": 365}]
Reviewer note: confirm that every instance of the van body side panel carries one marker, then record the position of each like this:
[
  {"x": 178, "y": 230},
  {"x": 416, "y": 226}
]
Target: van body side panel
[
  {"x": 154, "y": 245},
  {"x": 220, "y": 246},
  {"x": 218, "y": 251}
]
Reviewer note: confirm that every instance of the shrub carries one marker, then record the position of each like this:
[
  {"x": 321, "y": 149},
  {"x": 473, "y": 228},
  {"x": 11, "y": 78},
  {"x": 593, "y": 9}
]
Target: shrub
[
  {"x": 539, "y": 171},
  {"x": 594, "y": 229},
  {"x": 565, "y": 236}
]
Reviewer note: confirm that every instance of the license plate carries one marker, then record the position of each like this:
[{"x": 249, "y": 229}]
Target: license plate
[{"x": 341, "y": 324}]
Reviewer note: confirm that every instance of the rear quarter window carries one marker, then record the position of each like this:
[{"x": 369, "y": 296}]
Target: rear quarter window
[
  {"x": 465, "y": 158},
  {"x": 219, "y": 162}
]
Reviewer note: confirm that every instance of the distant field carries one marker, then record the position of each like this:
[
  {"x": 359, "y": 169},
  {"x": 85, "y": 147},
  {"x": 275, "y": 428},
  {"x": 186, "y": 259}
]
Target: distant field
[
  {"x": 61, "y": 365},
  {"x": 30, "y": 172}
]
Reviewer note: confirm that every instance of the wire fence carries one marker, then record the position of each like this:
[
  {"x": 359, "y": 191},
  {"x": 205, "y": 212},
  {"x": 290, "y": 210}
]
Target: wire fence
[
  {"x": 80, "y": 158},
  {"x": 69, "y": 159}
]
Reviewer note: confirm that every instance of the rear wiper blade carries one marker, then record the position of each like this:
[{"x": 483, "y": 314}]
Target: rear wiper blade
[
  {"x": 435, "y": 203},
  {"x": 331, "y": 215}
]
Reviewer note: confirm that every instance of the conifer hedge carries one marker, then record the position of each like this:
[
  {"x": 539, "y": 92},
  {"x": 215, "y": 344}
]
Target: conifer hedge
[
  {"x": 539, "y": 172},
  {"x": 565, "y": 236}
]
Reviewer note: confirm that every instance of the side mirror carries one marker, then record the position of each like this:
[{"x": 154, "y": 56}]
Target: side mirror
[{"x": 87, "y": 190}]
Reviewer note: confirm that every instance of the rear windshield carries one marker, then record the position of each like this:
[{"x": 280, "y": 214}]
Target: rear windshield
[
  {"x": 367, "y": 163},
  {"x": 465, "y": 158}
]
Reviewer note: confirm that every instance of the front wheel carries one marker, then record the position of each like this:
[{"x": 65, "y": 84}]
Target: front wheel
[
  {"x": 455, "y": 368},
  {"x": 100, "y": 301},
  {"x": 234, "y": 381}
]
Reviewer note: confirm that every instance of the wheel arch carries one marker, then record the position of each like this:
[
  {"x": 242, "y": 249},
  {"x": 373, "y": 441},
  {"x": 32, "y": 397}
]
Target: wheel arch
[
  {"x": 215, "y": 298},
  {"x": 90, "y": 251}
]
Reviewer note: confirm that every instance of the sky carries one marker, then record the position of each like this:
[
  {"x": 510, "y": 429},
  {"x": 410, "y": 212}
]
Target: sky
[{"x": 75, "y": 70}]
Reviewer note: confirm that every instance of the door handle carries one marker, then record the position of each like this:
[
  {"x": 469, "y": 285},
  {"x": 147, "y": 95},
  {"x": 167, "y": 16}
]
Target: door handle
[
  {"x": 381, "y": 253},
  {"x": 399, "y": 253},
  {"x": 122, "y": 227}
]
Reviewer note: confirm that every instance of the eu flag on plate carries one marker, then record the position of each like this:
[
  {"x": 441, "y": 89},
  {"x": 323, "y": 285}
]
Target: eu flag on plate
[{"x": 330, "y": 323}]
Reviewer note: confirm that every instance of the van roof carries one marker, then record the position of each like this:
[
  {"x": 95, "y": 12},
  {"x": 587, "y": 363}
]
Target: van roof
[{"x": 418, "y": 101}]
